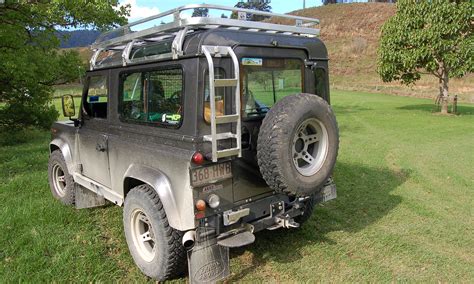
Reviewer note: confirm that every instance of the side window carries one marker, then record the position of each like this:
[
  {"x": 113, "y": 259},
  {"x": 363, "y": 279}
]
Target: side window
[
  {"x": 321, "y": 85},
  {"x": 219, "y": 73},
  {"x": 153, "y": 97},
  {"x": 95, "y": 104}
]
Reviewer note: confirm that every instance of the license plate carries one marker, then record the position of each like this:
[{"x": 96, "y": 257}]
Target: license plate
[{"x": 210, "y": 174}]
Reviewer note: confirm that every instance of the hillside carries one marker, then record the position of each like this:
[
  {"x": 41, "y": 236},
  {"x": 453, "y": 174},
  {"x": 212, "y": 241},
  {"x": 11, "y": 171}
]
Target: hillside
[
  {"x": 351, "y": 33},
  {"x": 77, "y": 38}
]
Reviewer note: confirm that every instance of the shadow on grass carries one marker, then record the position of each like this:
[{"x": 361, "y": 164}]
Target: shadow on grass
[
  {"x": 462, "y": 109},
  {"x": 363, "y": 198}
]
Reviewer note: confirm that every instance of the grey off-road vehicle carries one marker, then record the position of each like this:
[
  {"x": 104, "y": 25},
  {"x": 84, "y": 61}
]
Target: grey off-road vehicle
[{"x": 206, "y": 130}]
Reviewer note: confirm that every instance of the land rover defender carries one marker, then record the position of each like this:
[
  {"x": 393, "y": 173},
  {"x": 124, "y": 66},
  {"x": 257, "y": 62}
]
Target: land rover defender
[{"x": 206, "y": 130}]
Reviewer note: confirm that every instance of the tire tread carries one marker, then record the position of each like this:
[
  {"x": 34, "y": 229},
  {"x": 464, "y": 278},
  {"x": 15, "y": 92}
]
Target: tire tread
[
  {"x": 176, "y": 254},
  {"x": 271, "y": 132}
]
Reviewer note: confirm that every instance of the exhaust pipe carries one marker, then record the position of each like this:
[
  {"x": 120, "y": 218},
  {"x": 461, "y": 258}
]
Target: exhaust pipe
[{"x": 189, "y": 239}]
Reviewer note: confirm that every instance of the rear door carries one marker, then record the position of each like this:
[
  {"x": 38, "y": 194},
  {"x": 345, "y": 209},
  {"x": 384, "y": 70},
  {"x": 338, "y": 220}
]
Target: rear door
[
  {"x": 93, "y": 135},
  {"x": 266, "y": 75}
]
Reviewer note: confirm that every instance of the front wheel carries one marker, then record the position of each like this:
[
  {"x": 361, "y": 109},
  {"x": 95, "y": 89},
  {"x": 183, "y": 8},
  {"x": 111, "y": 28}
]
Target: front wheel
[
  {"x": 60, "y": 181},
  {"x": 155, "y": 247}
]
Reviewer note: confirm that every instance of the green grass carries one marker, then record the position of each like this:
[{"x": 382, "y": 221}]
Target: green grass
[
  {"x": 69, "y": 89},
  {"x": 404, "y": 210}
]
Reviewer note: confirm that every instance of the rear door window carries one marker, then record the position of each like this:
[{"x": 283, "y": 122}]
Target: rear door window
[{"x": 267, "y": 80}]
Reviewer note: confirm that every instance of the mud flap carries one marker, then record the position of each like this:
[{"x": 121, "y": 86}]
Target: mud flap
[
  {"x": 329, "y": 192},
  {"x": 208, "y": 262},
  {"x": 86, "y": 198}
]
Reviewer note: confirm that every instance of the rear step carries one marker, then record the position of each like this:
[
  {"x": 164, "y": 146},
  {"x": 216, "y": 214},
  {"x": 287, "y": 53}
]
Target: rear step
[{"x": 214, "y": 137}]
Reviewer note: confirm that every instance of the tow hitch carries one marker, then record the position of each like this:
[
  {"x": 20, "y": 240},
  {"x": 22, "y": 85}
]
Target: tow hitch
[{"x": 281, "y": 218}]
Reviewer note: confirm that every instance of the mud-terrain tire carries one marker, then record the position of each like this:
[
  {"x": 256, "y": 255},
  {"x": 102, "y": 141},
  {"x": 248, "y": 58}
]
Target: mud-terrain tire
[
  {"x": 161, "y": 256},
  {"x": 60, "y": 180},
  {"x": 297, "y": 145}
]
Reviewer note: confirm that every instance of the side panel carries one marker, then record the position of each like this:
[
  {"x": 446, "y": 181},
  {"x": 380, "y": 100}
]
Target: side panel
[
  {"x": 93, "y": 151},
  {"x": 178, "y": 206},
  {"x": 156, "y": 155}
]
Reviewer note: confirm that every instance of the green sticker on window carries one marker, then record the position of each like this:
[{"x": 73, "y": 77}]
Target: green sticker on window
[
  {"x": 171, "y": 118},
  {"x": 252, "y": 61}
]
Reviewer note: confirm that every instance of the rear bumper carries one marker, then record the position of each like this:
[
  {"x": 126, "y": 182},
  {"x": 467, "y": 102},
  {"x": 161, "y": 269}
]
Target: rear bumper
[{"x": 269, "y": 212}]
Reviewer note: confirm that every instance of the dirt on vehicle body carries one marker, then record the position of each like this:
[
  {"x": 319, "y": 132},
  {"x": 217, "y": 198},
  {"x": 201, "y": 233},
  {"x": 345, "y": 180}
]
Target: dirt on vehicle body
[{"x": 206, "y": 131}]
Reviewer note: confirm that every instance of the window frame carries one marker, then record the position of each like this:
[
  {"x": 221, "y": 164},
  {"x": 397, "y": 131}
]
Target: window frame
[
  {"x": 84, "y": 113},
  {"x": 142, "y": 72},
  {"x": 325, "y": 81}
]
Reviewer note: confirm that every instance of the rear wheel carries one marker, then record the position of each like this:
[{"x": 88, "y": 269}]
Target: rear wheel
[
  {"x": 60, "y": 181},
  {"x": 155, "y": 247}
]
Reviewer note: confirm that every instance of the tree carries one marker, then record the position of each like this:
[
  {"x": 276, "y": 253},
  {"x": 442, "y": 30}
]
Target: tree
[
  {"x": 261, "y": 5},
  {"x": 200, "y": 12},
  {"x": 30, "y": 61},
  {"x": 433, "y": 37}
]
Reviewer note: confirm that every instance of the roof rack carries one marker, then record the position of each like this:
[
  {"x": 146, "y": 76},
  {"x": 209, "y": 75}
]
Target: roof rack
[{"x": 123, "y": 39}]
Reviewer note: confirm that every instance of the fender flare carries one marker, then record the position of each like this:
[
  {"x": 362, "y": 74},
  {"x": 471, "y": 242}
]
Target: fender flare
[
  {"x": 177, "y": 218},
  {"x": 65, "y": 150}
]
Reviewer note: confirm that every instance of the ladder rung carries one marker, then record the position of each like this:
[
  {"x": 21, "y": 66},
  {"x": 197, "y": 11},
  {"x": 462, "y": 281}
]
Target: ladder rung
[
  {"x": 221, "y": 136},
  {"x": 228, "y": 152},
  {"x": 225, "y": 82},
  {"x": 227, "y": 118}
]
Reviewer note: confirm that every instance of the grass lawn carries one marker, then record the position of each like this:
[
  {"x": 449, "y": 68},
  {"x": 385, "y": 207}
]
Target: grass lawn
[{"x": 404, "y": 210}]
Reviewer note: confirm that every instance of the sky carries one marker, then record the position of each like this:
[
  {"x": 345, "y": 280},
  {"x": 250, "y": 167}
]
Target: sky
[{"x": 144, "y": 8}]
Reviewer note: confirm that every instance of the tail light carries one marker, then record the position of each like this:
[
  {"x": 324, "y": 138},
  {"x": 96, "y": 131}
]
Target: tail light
[
  {"x": 201, "y": 205},
  {"x": 198, "y": 158}
]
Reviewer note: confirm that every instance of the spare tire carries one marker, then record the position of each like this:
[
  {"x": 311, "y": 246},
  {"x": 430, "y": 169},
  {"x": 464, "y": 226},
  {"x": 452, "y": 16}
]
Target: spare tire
[{"x": 297, "y": 145}]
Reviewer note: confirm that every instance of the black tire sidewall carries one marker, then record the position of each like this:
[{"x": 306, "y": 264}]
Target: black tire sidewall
[
  {"x": 276, "y": 142},
  {"x": 138, "y": 199},
  {"x": 57, "y": 158},
  {"x": 294, "y": 179}
]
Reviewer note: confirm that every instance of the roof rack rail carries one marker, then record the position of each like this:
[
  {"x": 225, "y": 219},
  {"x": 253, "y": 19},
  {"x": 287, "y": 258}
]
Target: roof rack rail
[{"x": 123, "y": 38}]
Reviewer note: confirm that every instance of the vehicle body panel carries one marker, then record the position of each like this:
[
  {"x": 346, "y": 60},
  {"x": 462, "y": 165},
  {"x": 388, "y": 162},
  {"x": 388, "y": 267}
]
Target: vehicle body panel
[{"x": 117, "y": 154}]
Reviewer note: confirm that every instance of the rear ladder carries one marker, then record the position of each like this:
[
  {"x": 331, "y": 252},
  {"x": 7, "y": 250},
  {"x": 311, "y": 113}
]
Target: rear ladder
[{"x": 222, "y": 51}]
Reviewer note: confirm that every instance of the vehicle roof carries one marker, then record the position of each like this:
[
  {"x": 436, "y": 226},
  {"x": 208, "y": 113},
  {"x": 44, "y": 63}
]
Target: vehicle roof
[
  {"x": 222, "y": 36},
  {"x": 184, "y": 36},
  {"x": 193, "y": 41}
]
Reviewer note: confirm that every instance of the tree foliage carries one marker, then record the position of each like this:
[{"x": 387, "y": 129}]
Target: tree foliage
[
  {"x": 428, "y": 36},
  {"x": 200, "y": 12},
  {"x": 30, "y": 61},
  {"x": 261, "y": 5}
]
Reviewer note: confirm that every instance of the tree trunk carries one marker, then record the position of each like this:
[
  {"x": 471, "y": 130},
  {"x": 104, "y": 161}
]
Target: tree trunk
[{"x": 443, "y": 88}]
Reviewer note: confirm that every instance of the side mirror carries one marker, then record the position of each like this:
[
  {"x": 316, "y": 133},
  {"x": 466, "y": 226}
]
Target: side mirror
[{"x": 69, "y": 109}]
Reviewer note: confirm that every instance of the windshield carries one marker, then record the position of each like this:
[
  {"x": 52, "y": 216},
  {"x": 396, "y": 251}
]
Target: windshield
[{"x": 267, "y": 80}]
